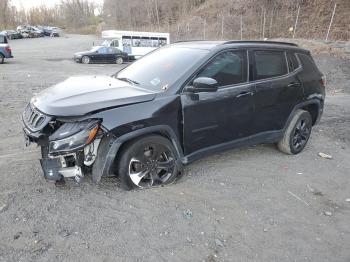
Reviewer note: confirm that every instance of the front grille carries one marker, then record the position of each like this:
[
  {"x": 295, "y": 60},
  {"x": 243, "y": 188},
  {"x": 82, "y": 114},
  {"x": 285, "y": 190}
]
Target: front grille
[{"x": 33, "y": 119}]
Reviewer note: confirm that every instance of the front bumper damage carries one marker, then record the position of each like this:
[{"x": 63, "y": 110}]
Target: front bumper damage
[
  {"x": 57, "y": 166},
  {"x": 69, "y": 165},
  {"x": 60, "y": 167},
  {"x": 54, "y": 172}
]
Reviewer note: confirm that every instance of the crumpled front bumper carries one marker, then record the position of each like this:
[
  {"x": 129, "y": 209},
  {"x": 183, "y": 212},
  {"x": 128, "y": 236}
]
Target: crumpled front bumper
[
  {"x": 54, "y": 168},
  {"x": 51, "y": 169},
  {"x": 54, "y": 171}
]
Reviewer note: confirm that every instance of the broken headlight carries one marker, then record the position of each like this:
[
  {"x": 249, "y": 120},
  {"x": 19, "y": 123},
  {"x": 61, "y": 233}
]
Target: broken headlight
[{"x": 73, "y": 136}]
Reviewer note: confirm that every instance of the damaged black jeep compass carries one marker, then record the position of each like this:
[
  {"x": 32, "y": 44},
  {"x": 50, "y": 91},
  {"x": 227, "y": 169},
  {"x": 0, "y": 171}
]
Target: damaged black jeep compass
[{"x": 173, "y": 106}]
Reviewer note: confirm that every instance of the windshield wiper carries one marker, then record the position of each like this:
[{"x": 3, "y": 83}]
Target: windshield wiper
[{"x": 128, "y": 80}]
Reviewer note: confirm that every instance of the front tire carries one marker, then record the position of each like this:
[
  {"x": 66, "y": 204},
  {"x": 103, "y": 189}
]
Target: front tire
[
  {"x": 85, "y": 60},
  {"x": 2, "y": 59},
  {"x": 297, "y": 133},
  {"x": 147, "y": 162}
]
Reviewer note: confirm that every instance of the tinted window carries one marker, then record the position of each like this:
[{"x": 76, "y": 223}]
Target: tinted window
[
  {"x": 161, "y": 68},
  {"x": 307, "y": 63},
  {"x": 309, "y": 66},
  {"x": 269, "y": 64},
  {"x": 227, "y": 68}
]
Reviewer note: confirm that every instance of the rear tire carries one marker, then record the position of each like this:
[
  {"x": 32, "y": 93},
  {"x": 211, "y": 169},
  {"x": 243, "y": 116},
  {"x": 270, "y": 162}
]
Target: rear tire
[
  {"x": 147, "y": 162},
  {"x": 297, "y": 133},
  {"x": 119, "y": 61},
  {"x": 2, "y": 58},
  {"x": 85, "y": 60}
]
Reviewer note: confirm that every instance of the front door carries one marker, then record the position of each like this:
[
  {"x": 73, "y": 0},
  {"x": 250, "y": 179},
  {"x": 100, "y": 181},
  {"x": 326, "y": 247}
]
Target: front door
[{"x": 214, "y": 118}]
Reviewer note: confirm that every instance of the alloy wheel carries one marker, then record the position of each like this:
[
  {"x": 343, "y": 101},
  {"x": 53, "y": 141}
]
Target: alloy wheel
[
  {"x": 85, "y": 60},
  {"x": 301, "y": 134},
  {"x": 152, "y": 165},
  {"x": 119, "y": 60}
]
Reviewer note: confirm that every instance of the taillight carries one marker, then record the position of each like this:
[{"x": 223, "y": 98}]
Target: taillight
[
  {"x": 323, "y": 81},
  {"x": 8, "y": 50}
]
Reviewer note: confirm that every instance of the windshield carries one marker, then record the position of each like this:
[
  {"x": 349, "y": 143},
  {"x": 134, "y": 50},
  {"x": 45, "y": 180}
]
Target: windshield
[{"x": 160, "y": 69}]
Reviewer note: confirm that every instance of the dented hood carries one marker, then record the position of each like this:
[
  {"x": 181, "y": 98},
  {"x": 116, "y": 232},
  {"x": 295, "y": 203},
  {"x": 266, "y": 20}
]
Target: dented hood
[{"x": 81, "y": 95}]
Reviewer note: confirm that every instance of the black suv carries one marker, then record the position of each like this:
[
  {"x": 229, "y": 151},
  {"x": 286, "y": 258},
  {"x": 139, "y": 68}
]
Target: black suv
[{"x": 173, "y": 106}]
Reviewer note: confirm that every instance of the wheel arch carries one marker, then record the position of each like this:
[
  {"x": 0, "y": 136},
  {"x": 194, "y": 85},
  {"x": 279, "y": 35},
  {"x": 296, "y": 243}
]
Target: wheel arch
[
  {"x": 110, "y": 149},
  {"x": 313, "y": 106},
  {"x": 314, "y": 110}
]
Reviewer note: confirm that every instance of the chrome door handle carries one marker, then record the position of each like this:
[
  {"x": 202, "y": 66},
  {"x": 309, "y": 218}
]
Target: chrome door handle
[{"x": 245, "y": 94}]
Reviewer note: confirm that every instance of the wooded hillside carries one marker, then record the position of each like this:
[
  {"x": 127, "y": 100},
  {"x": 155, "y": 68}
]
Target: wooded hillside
[
  {"x": 216, "y": 19},
  {"x": 194, "y": 19}
]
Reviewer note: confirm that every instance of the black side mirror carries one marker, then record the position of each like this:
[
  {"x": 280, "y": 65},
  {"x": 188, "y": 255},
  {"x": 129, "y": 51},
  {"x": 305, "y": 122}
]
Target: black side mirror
[{"x": 203, "y": 84}]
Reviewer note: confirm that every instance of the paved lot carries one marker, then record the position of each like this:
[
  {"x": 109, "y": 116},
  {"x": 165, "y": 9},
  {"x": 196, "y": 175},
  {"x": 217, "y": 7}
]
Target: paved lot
[{"x": 249, "y": 204}]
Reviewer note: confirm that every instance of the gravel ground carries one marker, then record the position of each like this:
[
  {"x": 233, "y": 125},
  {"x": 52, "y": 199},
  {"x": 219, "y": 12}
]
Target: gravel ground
[{"x": 248, "y": 204}]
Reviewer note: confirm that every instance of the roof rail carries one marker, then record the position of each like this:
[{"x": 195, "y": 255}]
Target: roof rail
[
  {"x": 259, "y": 42},
  {"x": 194, "y": 40}
]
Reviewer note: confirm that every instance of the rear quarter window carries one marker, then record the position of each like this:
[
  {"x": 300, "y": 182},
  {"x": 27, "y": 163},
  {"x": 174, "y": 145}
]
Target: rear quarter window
[
  {"x": 269, "y": 64},
  {"x": 293, "y": 62},
  {"x": 308, "y": 64}
]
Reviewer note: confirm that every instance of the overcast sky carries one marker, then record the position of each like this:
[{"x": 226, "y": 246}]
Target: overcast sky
[{"x": 31, "y": 3}]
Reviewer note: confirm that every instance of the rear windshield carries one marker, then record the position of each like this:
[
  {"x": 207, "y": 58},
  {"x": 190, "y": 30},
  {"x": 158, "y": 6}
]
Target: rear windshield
[
  {"x": 3, "y": 39},
  {"x": 160, "y": 69}
]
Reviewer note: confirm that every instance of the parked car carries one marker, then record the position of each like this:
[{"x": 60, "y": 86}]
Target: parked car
[
  {"x": 50, "y": 31},
  {"x": 12, "y": 34},
  {"x": 177, "y": 104},
  {"x": 101, "y": 54},
  {"x": 28, "y": 31},
  {"x": 5, "y": 50}
]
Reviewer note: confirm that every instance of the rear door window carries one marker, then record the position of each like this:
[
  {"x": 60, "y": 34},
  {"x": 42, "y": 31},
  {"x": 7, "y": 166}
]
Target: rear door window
[
  {"x": 227, "y": 68},
  {"x": 269, "y": 64}
]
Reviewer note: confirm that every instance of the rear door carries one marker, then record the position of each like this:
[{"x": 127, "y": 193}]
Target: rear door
[
  {"x": 213, "y": 118},
  {"x": 278, "y": 89},
  {"x": 111, "y": 55}
]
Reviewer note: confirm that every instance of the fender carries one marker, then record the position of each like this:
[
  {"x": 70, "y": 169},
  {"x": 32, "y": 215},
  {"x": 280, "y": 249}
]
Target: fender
[
  {"x": 313, "y": 101},
  {"x": 110, "y": 146}
]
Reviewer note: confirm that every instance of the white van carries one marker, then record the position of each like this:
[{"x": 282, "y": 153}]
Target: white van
[{"x": 136, "y": 44}]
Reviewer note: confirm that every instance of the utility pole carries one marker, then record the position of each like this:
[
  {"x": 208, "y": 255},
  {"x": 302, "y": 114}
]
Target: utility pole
[
  {"x": 241, "y": 27},
  {"x": 188, "y": 30},
  {"x": 157, "y": 15},
  {"x": 204, "y": 25},
  {"x": 296, "y": 22},
  {"x": 330, "y": 24},
  {"x": 263, "y": 30},
  {"x": 222, "y": 27}
]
